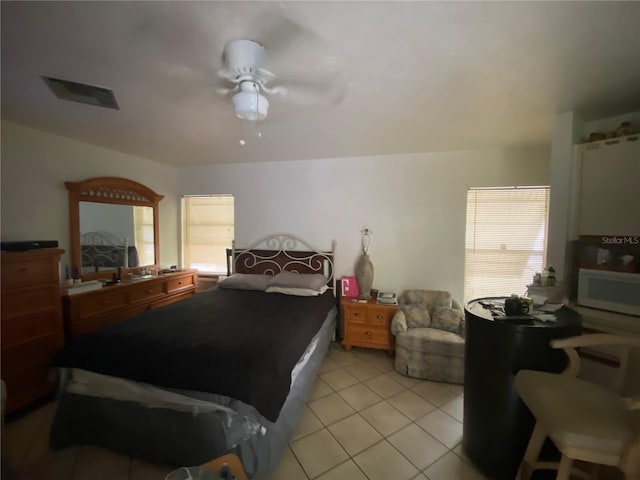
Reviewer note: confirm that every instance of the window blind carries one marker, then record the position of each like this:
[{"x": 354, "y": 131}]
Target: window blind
[
  {"x": 208, "y": 230},
  {"x": 144, "y": 241},
  {"x": 506, "y": 239}
]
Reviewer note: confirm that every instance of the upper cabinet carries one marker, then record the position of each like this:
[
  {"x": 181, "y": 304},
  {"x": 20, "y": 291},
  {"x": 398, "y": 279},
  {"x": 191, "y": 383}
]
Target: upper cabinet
[{"x": 609, "y": 187}]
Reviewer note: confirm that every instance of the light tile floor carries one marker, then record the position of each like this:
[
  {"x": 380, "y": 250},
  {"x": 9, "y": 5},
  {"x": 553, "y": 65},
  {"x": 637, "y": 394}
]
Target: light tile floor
[{"x": 363, "y": 421}]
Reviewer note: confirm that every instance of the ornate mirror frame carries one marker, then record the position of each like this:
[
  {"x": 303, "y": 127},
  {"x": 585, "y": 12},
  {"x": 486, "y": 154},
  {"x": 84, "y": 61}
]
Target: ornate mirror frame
[{"x": 110, "y": 190}]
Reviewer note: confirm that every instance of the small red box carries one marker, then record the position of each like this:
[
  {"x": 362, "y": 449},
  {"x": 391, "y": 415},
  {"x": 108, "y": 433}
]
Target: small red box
[{"x": 350, "y": 287}]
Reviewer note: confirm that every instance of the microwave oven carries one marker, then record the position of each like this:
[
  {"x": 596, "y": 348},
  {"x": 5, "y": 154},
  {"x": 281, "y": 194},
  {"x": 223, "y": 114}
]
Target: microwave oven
[{"x": 607, "y": 290}]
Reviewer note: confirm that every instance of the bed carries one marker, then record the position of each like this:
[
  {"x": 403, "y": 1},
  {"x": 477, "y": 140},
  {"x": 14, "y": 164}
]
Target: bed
[{"x": 225, "y": 371}]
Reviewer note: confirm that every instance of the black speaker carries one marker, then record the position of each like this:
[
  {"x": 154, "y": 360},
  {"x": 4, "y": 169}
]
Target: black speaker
[{"x": 21, "y": 246}]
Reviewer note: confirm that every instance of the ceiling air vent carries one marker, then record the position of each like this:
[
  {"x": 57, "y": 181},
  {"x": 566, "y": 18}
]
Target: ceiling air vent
[{"x": 82, "y": 93}]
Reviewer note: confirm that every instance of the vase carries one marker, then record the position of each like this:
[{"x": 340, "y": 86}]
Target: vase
[{"x": 364, "y": 276}]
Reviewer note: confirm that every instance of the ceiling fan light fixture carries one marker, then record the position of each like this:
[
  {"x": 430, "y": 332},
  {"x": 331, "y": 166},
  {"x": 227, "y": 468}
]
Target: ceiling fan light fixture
[{"x": 249, "y": 104}]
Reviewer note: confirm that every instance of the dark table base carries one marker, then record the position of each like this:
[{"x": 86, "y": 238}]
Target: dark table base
[{"x": 497, "y": 424}]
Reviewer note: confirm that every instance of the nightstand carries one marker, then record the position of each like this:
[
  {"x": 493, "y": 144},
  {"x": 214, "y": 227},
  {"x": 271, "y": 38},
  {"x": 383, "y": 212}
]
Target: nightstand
[{"x": 367, "y": 325}]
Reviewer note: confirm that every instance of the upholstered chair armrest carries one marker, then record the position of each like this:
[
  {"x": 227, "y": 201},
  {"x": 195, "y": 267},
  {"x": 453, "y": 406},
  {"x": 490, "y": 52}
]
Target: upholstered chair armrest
[
  {"x": 399, "y": 323},
  {"x": 456, "y": 306},
  {"x": 571, "y": 343},
  {"x": 463, "y": 323}
]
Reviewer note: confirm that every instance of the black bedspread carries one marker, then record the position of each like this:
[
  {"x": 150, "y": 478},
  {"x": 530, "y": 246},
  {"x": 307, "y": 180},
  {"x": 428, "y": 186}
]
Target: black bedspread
[{"x": 239, "y": 343}]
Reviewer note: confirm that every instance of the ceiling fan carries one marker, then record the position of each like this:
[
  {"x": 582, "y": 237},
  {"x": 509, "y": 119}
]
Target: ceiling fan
[{"x": 291, "y": 61}]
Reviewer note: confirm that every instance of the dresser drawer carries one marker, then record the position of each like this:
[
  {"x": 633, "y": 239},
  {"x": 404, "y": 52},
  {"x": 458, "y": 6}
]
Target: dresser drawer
[
  {"x": 174, "y": 284},
  {"x": 28, "y": 272},
  {"x": 161, "y": 302},
  {"x": 103, "y": 301},
  {"x": 31, "y": 323},
  {"x": 39, "y": 351},
  {"x": 362, "y": 333},
  {"x": 97, "y": 322},
  {"x": 23, "y": 302},
  {"x": 380, "y": 315},
  {"x": 26, "y": 385},
  {"x": 142, "y": 292},
  {"x": 26, "y": 327},
  {"x": 86, "y": 312}
]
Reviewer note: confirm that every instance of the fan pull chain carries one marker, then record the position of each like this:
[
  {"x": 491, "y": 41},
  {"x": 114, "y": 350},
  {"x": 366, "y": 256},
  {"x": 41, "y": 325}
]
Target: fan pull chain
[
  {"x": 242, "y": 135},
  {"x": 258, "y": 134}
]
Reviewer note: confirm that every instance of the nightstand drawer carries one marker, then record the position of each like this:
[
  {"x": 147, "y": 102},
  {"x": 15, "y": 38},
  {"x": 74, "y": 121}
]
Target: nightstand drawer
[
  {"x": 380, "y": 315},
  {"x": 361, "y": 333},
  {"x": 355, "y": 314}
]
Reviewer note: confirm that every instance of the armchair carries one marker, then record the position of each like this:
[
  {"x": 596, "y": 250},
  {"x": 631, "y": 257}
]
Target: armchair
[
  {"x": 584, "y": 421},
  {"x": 429, "y": 327}
]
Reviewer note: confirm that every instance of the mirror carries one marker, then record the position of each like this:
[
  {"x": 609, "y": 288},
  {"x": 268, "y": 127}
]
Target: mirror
[{"x": 108, "y": 217}]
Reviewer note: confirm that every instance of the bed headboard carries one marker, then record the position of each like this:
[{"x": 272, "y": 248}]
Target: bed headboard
[
  {"x": 282, "y": 252},
  {"x": 103, "y": 250}
]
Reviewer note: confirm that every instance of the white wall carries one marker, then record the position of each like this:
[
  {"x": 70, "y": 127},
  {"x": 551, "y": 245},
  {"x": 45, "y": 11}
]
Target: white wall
[
  {"x": 567, "y": 131},
  {"x": 35, "y": 166},
  {"x": 415, "y": 205}
]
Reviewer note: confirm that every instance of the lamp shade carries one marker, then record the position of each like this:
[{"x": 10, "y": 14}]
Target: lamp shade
[{"x": 249, "y": 104}]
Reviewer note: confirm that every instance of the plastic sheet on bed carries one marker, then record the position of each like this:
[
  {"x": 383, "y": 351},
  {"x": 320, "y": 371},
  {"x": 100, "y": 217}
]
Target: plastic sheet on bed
[{"x": 237, "y": 427}]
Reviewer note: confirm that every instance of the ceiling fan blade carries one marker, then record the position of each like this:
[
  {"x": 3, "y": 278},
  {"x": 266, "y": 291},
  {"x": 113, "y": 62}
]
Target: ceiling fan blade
[
  {"x": 330, "y": 92},
  {"x": 226, "y": 74},
  {"x": 295, "y": 51},
  {"x": 224, "y": 91}
]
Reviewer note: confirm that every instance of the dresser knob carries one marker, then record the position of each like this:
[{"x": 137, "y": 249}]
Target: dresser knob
[
  {"x": 149, "y": 291},
  {"x": 369, "y": 333},
  {"x": 105, "y": 302},
  {"x": 380, "y": 317}
]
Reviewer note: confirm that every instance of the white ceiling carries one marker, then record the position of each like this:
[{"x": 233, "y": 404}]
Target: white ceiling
[{"x": 422, "y": 76}]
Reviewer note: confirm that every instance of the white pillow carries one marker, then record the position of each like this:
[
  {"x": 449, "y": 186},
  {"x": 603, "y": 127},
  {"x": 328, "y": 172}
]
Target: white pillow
[
  {"x": 246, "y": 281},
  {"x": 300, "y": 284},
  {"x": 298, "y": 292}
]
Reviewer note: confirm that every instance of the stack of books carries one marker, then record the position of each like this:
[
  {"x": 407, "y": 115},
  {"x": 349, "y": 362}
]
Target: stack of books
[{"x": 84, "y": 287}]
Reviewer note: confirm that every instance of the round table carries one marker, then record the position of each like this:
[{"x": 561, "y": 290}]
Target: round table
[{"x": 497, "y": 424}]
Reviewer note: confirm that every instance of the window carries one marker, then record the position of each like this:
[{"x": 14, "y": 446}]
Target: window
[
  {"x": 143, "y": 235},
  {"x": 207, "y": 232},
  {"x": 506, "y": 241}
]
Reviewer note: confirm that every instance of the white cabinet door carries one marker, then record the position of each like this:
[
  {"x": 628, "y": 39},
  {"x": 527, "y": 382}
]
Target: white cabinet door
[{"x": 610, "y": 190}]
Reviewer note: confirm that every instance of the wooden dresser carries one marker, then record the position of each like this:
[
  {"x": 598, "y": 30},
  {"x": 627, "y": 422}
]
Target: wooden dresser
[
  {"x": 367, "y": 325},
  {"x": 88, "y": 311},
  {"x": 32, "y": 329}
]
